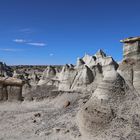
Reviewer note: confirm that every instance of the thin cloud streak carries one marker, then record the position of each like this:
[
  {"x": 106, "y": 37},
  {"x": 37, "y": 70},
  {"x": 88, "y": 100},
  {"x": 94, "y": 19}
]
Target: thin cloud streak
[
  {"x": 27, "y": 42},
  {"x": 19, "y": 40},
  {"x": 37, "y": 44},
  {"x": 11, "y": 50}
]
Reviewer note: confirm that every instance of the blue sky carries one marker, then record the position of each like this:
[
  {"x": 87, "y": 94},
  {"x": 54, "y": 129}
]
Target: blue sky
[{"x": 59, "y": 31}]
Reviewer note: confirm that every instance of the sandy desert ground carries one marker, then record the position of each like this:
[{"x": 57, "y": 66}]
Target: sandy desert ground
[{"x": 49, "y": 119}]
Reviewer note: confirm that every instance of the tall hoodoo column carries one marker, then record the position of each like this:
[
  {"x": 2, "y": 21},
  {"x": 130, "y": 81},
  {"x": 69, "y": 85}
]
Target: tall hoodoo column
[{"x": 130, "y": 67}]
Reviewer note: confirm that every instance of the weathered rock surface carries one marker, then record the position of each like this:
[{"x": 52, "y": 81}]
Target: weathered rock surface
[
  {"x": 131, "y": 48},
  {"x": 111, "y": 106},
  {"x": 136, "y": 77},
  {"x": 66, "y": 78},
  {"x": 112, "y": 113},
  {"x": 85, "y": 76},
  {"x": 48, "y": 76},
  {"x": 80, "y": 62},
  {"x": 33, "y": 79},
  {"x": 130, "y": 39},
  {"x": 89, "y": 60},
  {"x": 130, "y": 71},
  {"x": 10, "y": 89},
  {"x": 5, "y": 70},
  {"x": 104, "y": 93}
]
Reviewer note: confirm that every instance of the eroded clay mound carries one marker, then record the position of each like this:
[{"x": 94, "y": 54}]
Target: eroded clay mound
[{"x": 111, "y": 111}]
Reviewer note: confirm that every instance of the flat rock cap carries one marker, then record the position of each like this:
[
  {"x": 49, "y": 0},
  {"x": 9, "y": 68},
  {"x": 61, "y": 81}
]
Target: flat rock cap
[
  {"x": 11, "y": 81},
  {"x": 130, "y": 39}
]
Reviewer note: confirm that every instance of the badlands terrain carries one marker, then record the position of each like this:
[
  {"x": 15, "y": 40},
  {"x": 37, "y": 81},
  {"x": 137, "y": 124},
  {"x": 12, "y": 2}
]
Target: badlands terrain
[{"x": 96, "y": 99}]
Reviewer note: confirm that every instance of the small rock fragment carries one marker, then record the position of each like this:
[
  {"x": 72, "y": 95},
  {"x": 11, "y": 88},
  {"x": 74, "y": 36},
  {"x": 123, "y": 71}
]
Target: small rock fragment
[
  {"x": 37, "y": 115},
  {"x": 66, "y": 104},
  {"x": 34, "y": 121}
]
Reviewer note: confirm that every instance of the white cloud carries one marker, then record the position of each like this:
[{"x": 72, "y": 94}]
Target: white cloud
[
  {"x": 38, "y": 44},
  {"x": 19, "y": 40},
  {"x": 10, "y": 50},
  {"x": 28, "y": 42},
  {"x": 51, "y": 54}
]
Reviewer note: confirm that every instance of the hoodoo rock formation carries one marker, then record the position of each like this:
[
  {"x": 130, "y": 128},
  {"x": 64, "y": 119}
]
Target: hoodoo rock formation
[
  {"x": 66, "y": 78},
  {"x": 130, "y": 66},
  {"x": 84, "y": 76},
  {"x": 114, "y": 108},
  {"x": 10, "y": 89},
  {"x": 131, "y": 48},
  {"x": 96, "y": 99},
  {"x": 48, "y": 76}
]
